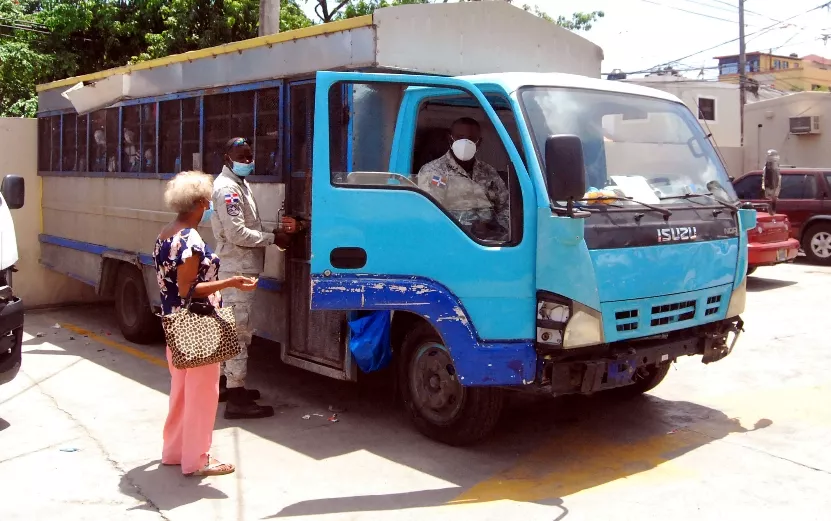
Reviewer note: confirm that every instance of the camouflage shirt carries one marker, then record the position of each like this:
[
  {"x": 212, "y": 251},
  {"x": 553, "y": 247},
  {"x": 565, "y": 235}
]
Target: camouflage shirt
[{"x": 479, "y": 196}]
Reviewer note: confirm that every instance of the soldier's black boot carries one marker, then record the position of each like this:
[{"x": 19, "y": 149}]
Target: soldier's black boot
[
  {"x": 240, "y": 406},
  {"x": 223, "y": 390}
]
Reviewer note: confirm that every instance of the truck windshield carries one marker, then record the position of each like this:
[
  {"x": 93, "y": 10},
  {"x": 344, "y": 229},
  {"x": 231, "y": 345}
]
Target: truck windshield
[{"x": 643, "y": 148}]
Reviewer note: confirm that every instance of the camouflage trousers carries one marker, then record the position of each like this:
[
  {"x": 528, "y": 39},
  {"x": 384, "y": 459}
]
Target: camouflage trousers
[{"x": 236, "y": 369}]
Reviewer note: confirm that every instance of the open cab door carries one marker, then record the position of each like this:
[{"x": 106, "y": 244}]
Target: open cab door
[{"x": 386, "y": 234}]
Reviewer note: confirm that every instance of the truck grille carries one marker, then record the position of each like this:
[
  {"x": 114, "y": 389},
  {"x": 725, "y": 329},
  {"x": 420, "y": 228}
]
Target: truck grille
[{"x": 672, "y": 313}]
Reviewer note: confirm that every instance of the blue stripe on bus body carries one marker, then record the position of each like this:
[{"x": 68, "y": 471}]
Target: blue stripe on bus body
[
  {"x": 148, "y": 175},
  {"x": 477, "y": 362},
  {"x": 265, "y": 283}
]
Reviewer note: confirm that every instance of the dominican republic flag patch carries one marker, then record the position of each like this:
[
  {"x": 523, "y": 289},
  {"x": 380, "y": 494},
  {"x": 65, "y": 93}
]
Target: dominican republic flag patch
[
  {"x": 439, "y": 181},
  {"x": 232, "y": 198}
]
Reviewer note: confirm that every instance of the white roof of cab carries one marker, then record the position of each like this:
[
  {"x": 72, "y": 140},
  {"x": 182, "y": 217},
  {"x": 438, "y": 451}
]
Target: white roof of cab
[{"x": 512, "y": 81}]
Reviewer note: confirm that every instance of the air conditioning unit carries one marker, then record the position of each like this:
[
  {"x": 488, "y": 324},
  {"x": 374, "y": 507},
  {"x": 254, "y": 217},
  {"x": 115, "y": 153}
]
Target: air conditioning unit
[{"x": 805, "y": 125}]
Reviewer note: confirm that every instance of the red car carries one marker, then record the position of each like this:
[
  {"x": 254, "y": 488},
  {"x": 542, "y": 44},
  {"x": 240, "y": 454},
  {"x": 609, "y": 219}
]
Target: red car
[
  {"x": 769, "y": 243},
  {"x": 805, "y": 198}
]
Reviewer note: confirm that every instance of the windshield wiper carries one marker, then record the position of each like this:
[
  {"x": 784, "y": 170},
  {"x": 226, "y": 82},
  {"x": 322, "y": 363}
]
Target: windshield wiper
[
  {"x": 709, "y": 194},
  {"x": 663, "y": 211}
]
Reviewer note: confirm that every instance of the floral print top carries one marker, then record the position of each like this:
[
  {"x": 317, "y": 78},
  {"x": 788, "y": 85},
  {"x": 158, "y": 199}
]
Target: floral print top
[{"x": 171, "y": 253}]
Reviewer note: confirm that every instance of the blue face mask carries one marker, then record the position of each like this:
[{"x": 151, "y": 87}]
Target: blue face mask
[
  {"x": 206, "y": 215},
  {"x": 242, "y": 169}
]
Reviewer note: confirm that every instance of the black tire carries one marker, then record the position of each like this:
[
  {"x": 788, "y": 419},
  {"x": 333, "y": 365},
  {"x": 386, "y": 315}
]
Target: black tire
[
  {"x": 817, "y": 254},
  {"x": 751, "y": 269},
  {"x": 135, "y": 318},
  {"x": 476, "y": 410},
  {"x": 646, "y": 379}
]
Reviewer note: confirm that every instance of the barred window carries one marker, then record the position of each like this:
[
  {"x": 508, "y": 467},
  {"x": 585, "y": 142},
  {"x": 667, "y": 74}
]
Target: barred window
[
  {"x": 130, "y": 139},
  {"x": 226, "y": 116},
  {"x": 148, "y": 137},
  {"x": 103, "y": 145},
  {"x": 44, "y": 144},
  {"x": 170, "y": 118},
  {"x": 267, "y": 143}
]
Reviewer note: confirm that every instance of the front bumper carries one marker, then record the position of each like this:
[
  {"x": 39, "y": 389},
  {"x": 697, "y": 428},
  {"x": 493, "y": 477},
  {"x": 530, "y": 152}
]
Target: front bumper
[
  {"x": 11, "y": 337},
  {"x": 770, "y": 253},
  {"x": 615, "y": 365}
]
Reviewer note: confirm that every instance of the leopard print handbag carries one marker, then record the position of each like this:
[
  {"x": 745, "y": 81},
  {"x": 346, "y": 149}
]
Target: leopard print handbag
[{"x": 199, "y": 334}]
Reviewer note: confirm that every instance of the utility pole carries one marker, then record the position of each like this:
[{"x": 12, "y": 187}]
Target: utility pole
[
  {"x": 269, "y": 17},
  {"x": 742, "y": 73}
]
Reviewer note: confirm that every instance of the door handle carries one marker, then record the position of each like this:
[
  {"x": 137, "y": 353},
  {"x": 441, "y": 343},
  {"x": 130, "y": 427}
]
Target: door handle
[{"x": 348, "y": 258}]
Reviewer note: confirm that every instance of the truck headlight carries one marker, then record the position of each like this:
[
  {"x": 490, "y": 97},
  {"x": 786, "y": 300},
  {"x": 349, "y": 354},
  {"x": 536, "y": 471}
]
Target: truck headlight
[
  {"x": 563, "y": 323},
  {"x": 738, "y": 299}
]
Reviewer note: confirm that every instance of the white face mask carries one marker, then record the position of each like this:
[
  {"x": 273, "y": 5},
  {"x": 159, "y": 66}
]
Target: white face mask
[{"x": 464, "y": 149}]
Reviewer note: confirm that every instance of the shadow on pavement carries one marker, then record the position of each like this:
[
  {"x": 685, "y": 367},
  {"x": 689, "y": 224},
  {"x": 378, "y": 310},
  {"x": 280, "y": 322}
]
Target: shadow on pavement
[
  {"x": 757, "y": 284},
  {"x": 543, "y": 450},
  {"x": 167, "y": 487},
  {"x": 4, "y": 425}
]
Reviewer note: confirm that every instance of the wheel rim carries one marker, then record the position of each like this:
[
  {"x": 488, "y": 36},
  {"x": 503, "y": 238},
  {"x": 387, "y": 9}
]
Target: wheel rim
[
  {"x": 436, "y": 390},
  {"x": 129, "y": 303},
  {"x": 821, "y": 245}
]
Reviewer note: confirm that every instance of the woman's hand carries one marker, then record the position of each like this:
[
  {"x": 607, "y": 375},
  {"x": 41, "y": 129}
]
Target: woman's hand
[{"x": 242, "y": 283}]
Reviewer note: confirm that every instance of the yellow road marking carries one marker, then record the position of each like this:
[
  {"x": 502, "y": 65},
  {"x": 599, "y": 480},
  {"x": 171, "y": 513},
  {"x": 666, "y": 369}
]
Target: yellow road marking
[{"x": 155, "y": 360}]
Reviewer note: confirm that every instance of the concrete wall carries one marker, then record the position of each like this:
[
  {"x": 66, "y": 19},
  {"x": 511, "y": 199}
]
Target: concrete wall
[
  {"x": 812, "y": 150},
  {"x": 733, "y": 160},
  {"x": 726, "y": 128},
  {"x": 36, "y": 285}
]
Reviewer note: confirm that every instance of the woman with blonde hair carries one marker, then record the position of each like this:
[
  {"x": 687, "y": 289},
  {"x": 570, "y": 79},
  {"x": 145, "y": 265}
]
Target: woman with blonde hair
[{"x": 185, "y": 264}]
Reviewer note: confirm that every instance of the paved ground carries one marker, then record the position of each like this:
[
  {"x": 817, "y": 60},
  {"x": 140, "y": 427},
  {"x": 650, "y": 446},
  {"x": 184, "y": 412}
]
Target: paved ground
[{"x": 744, "y": 438}]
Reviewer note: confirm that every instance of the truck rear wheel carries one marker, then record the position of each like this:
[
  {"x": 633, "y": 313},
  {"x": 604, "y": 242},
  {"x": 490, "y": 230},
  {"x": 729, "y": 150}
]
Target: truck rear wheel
[
  {"x": 816, "y": 243},
  {"x": 438, "y": 404},
  {"x": 132, "y": 309}
]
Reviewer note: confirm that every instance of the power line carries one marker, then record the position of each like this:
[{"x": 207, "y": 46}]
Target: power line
[
  {"x": 690, "y": 12},
  {"x": 764, "y": 29}
]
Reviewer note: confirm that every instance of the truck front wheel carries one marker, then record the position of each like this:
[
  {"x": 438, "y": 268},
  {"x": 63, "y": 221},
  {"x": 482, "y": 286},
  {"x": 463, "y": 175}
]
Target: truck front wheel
[
  {"x": 132, "y": 309},
  {"x": 646, "y": 379},
  {"x": 438, "y": 404}
]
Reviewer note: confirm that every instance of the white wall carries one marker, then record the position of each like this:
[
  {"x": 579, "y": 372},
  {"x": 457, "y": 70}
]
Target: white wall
[
  {"x": 726, "y": 128},
  {"x": 36, "y": 285},
  {"x": 798, "y": 150}
]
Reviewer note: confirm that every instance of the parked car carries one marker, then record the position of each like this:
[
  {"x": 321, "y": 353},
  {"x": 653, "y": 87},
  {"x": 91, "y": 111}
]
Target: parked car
[
  {"x": 805, "y": 198},
  {"x": 770, "y": 243}
]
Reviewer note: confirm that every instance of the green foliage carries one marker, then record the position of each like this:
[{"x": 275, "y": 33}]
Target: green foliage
[{"x": 46, "y": 40}]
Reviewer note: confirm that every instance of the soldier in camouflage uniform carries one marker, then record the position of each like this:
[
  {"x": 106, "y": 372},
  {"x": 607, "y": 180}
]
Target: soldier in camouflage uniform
[
  {"x": 471, "y": 190},
  {"x": 240, "y": 244}
]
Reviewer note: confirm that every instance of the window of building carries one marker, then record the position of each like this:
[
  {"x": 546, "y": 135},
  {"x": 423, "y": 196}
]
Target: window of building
[
  {"x": 707, "y": 109},
  {"x": 728, "y": 68},
  {"x": 785, "y": 64},
  {"x": 776, "y": 64}
]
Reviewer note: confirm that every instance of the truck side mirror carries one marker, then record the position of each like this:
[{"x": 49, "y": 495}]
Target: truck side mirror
[
  {"x": 13, "y": 189},
  {"x": 564, "y": 169}
]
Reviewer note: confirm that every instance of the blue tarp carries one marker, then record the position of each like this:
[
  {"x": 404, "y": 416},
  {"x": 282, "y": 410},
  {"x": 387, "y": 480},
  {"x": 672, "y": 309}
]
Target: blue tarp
[{"x": 369, "y": 339}]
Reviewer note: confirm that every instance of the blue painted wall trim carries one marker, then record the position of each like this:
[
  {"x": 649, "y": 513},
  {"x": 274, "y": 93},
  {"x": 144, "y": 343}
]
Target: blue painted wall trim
[
  {"x": 477, "y": 362},
  {"x": 146, "y": 259}
]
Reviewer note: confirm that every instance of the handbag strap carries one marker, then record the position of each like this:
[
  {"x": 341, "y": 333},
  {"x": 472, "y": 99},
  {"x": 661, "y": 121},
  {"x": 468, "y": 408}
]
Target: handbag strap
[{"x": 189, "y": 297}]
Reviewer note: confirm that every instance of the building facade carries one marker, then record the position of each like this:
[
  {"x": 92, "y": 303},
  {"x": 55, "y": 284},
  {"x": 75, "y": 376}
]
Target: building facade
[{"x": 786, "y": 73}]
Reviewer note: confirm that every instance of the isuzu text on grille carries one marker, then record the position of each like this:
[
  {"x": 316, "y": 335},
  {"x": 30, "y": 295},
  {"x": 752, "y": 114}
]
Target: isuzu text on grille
[{"x": 680, "y": 233}]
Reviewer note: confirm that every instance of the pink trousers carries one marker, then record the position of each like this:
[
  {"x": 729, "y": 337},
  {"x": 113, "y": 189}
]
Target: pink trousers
[{"x": 188, "y": 430}]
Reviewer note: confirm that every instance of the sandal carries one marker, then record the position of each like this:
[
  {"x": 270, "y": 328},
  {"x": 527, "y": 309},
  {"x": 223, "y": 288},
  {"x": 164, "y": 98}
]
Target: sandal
[{"x": 214, "y": 468}]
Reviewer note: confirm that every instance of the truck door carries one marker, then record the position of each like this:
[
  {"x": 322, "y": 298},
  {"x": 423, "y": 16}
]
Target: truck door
[{"x": 385, "y": 237}]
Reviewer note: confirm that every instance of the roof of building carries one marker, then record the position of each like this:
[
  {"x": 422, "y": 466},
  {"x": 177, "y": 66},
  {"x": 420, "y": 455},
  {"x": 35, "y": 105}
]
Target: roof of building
[
  {"x": 808, "y": 96},
  {"x": 816, "y": 59},
  {"x": 758, "y": 53}
]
